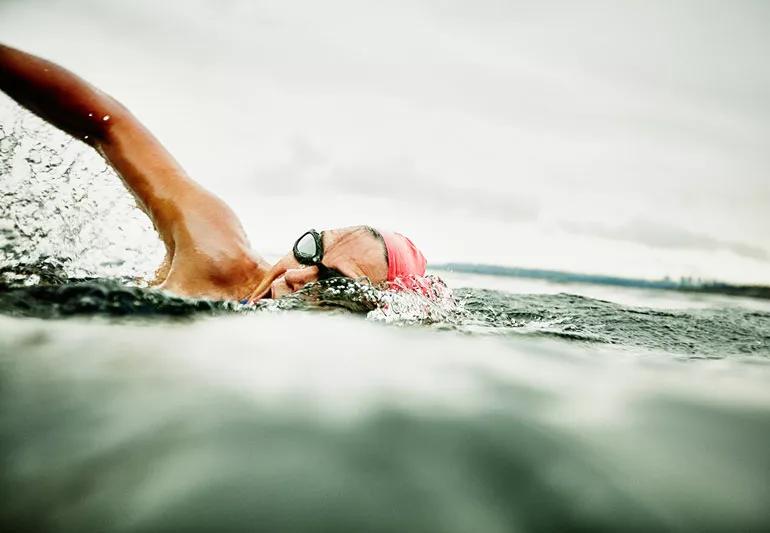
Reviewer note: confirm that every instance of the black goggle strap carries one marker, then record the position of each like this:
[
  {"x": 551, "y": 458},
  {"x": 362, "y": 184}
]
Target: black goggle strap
[{"x": 324, "y": 272}]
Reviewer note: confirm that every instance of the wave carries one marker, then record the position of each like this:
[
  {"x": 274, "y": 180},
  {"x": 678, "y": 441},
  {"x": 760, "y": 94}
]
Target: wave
[{"x": 705, "y": 333}]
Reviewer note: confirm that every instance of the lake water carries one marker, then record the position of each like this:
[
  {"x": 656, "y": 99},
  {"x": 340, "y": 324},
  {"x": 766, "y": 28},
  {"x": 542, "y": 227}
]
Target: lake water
[{"x": 126, "y": 410}]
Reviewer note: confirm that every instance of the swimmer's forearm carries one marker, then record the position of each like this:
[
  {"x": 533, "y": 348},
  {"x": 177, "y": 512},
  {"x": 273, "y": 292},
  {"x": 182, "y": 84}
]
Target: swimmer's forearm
[{"x": 57, "y": 95}]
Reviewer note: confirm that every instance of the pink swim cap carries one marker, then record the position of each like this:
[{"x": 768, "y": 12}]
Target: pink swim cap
[{"x": 404, "y": 259}]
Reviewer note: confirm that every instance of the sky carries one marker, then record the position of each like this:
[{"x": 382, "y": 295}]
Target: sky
[{"x": 626, "y": 138}]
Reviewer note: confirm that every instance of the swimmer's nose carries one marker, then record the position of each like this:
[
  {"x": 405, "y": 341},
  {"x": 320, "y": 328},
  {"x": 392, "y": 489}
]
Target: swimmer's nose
[{"x": 296, "y": 278}]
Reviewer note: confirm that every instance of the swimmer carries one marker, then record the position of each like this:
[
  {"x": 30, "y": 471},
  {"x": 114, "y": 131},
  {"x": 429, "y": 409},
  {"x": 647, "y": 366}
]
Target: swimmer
[{"x": 207, "y": 252}]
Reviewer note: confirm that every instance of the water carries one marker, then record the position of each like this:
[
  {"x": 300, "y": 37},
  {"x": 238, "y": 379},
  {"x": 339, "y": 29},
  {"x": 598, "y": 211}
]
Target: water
[
  {"x": 494, "y": 405},
  {"x": 692, "y": 333},
  {"x": 310, "y": 421}
]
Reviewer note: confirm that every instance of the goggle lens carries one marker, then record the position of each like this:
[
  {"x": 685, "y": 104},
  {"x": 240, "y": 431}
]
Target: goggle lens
[
  {"x": 306, "y": 246},
  {"x": 309, "y": 248}
]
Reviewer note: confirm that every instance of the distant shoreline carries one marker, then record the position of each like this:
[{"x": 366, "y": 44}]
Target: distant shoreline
[{"x": 684, "y": 284}]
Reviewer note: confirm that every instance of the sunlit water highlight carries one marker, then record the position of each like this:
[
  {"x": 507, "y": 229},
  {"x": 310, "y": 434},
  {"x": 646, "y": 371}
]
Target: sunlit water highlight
[{"x": 347, "y": 407}]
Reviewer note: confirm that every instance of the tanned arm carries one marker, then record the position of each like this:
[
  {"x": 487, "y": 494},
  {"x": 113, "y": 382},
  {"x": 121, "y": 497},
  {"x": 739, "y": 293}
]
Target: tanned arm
[{"x": 203, "y": 237}]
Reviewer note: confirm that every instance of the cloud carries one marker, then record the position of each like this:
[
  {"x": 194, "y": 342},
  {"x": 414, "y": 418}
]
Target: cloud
[
  {"x": 309, "y": 171},
  {"x": 659, "y": 235},
  {"x": 401, "y": 180},
  {"x": 496, "y": 111}
]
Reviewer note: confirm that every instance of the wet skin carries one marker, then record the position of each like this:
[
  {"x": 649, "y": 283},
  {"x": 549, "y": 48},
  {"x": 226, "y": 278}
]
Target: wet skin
[{"x": 208, "y": 254}]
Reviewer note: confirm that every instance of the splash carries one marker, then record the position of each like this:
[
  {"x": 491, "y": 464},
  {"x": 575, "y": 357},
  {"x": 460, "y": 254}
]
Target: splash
[
  {"x": 421, "y": 300},
  {"x": 61, "y": 206},
  {"x": 417, "y": 300}
]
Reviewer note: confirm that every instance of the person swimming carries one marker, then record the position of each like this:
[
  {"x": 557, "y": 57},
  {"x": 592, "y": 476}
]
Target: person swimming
[{"x": 208, "y": 254}]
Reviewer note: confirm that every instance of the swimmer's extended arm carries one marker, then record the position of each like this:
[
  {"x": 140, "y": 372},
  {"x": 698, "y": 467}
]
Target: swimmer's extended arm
[
  {"x": 189, "y": 218},
  {"x": 77, "y": 107}
]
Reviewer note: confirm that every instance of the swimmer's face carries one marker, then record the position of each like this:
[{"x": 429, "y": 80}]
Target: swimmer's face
[{"x": 350, "y": 252}]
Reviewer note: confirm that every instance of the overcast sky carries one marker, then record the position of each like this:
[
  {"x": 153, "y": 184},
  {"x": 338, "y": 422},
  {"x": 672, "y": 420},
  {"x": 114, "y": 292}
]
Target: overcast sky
[{"x": 626, "y": 138}]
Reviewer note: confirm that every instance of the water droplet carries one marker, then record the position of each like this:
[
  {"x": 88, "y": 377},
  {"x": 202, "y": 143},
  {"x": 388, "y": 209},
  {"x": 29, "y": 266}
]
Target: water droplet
[
  {"x": 106, "y": 118},
  {"x": 90, "y": 114}
]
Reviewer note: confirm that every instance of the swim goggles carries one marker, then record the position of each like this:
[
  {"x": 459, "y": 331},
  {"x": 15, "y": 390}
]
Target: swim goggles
[{"x": 309, "y": 248}]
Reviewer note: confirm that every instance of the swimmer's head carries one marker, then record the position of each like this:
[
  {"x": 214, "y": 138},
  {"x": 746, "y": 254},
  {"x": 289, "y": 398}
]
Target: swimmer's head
[{"x": 354, "y": 252}]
